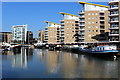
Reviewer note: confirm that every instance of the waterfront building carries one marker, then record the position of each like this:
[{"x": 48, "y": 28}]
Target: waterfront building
[
  {"x": 69, "y": 28},
  {"x": 94, "y": 26},
  {"x": 114, "y": 35},
  {"x": 29, "y": 37},
  {"x": 41, "y": 35},
  {"x": 6, "y": 37},
  {"x": 19, "y": 33},
  {"x": 52, "y": 33}
]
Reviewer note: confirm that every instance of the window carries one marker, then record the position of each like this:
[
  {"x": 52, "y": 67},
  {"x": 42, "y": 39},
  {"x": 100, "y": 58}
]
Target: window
[
  {"x": 96, "y": 30},
  {"x": 88, "y": 30},
  {"x": 96, "y": 22},
  {"x": 89, "y": 23},
  {"x": 88, "y": 13},
  {"x": 96, "y": 26},
  {"x": 89, "y": 18},
  {"x": 89, "y": 35},
  {"x": 88, "y": 26},
  {"x": 92, "y": 13},
  {"x": 96, "y": 14}
]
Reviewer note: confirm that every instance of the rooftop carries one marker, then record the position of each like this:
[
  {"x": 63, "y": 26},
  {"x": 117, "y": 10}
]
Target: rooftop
[
  {"x": 68, "y": 14},
  {"x": 93, "y": 4},
  {"x": 51, "y": 22}
]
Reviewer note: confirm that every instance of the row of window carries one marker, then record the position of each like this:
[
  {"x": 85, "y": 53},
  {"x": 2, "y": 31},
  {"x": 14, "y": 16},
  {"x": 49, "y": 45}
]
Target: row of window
[
  {"x": 92, "y": 30},
  {"x": 92, "y": 22},
  {"x": 92, "y": 18},
  {"x": 92, "y": 13},
  {"x": 92, "y": 26}
]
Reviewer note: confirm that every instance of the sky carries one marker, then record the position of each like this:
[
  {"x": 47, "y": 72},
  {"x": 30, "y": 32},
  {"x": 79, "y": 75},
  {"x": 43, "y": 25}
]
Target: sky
[{"x": 35, "y": 13}]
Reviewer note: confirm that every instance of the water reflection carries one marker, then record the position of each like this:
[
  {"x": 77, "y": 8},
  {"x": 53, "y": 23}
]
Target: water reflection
[
  {"x": 60, "y": 64},
  {"x": 18, "y": 58}
]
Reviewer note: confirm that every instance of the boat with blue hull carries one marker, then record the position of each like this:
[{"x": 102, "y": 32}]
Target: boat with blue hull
[{"x": 101, "y": 50}]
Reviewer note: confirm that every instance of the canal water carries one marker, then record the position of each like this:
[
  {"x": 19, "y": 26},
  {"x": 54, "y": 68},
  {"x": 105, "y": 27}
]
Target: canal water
[{"x": 42, "y": 63}]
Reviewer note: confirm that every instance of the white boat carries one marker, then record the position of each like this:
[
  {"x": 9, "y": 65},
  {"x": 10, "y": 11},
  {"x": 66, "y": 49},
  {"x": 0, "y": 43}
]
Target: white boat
[
  {"x": 39, "y": 44},
  {"x": 101, "y": 50}
]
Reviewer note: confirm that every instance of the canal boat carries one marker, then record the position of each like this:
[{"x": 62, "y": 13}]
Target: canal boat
[{"x": 101, "y": 50}]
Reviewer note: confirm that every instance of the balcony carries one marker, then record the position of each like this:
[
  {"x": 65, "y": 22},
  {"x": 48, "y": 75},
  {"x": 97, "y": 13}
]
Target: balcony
[
  {"x": 82, "y": 25},
  {"x": 102, "y": 28},
  {"x": 101, "y": 24},
  {"x": 82, "y": 16},
  {"x": 82, "y": 12},
  {"x": 113, "y": 2},
  {"x": 62, "y": 30},
  {"x": 81, "y": 21},
  {"x": 102, "y": 16},
  {"x": 81, "y": 33},
  {"x": 81, "y": 38},
  {"x": 113, "y": 7},
  {"x": 114, "y": 27},
  {"x": 114, "y": 13},
  {"x": 114, "y": 39},
  {"x": 102, "y": 20},
  {"x": 81, "y": 29},
  {"x": 62, "y": 21},
  {"x": 113, "y": 34},
  {"x": 77, "y": 24},
  {"x": 113, "y": 21},
  {"x": 62, "y": 24}
]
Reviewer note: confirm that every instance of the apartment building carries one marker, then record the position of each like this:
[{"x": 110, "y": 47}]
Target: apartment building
[
  {"x": 41, "y": 35},
  {"x": 52, "y": 33},
  {"x": 94, "y": 24},
  {"x": 69, "y": 28},
  {"x": 19, "y": 33},
  {"x": 29, "y": 37},
  {"x": 6, "y": 37},
  {"x": 114, "y": 35}
]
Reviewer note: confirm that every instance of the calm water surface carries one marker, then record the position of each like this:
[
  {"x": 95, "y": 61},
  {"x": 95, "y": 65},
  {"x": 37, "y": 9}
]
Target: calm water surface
[{"x": 42, "y": 63}]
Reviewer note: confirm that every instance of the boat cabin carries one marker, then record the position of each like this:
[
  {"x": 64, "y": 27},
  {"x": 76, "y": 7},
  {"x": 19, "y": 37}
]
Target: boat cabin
[{"x": 103, "y": 48}]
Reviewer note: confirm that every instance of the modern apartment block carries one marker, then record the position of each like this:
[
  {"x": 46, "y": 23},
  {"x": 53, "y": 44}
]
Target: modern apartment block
[
  {"x": 93, "y": 22},
  {"x": 114, "y": 35},
  {"x": 52, "y": 33},
  {"x": 41, "y": 35},
  {"x": 29, "y": 37},
  {"x": 19, "y": 33},
  {"x": 6, "y": 37},
  {"x": 69, "y": 28}
]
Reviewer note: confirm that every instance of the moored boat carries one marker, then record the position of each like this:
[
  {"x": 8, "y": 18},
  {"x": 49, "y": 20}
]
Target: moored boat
[{"x": 101, "y": 50}]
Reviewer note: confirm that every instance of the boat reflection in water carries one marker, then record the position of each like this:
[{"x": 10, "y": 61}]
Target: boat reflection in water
[{"x": 42, "y": 63}]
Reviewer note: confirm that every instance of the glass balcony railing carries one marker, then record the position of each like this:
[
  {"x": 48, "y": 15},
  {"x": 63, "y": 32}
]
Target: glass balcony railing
[
  {"x": 114, "y": 26},
  {"x": 113, "y": 0},
  {"x": 114, "y": 20}
]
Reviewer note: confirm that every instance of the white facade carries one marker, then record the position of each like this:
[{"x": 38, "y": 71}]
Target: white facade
[
  {"x": 88, "y": 7},
  {"x": 69, "y": 17},
  {"x": 19, "y": 33},
  {"x": 52, "y": 25}
]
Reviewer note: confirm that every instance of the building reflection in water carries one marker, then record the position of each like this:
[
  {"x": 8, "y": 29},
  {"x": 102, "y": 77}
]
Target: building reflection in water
[
  {"x": 62, "y": 64},
  {"x": 19, "y": 58},
  {"x": 70, "y": 65}
]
